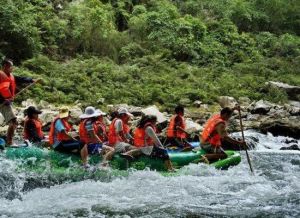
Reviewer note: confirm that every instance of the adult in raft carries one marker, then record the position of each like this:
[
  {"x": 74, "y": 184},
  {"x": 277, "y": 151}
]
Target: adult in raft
[
  {"x": 119, "y": 132},
  {"x": 8, "y": 84},
  {"x": 146, "y": 140},
  {"x": 88, "y": 130},
  {"x": 214, "y": 133},
  {"x": 33, "y": 125},
  {"x": 176, "y": 134},
  {"x": 60, "y": 135}
]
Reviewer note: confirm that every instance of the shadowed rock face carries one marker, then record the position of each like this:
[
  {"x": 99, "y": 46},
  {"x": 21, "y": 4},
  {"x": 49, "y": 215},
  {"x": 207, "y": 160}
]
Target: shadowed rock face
[
  {"x": 292, "y": 91},
  {"x": 289, "y": 128}
]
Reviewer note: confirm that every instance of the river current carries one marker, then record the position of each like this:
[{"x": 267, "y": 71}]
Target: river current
[{"x": 196, "y": 191}]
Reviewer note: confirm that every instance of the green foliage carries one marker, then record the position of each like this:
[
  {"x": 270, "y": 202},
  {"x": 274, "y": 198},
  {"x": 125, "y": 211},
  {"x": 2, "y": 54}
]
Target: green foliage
[{"x": 145, "y": 52}]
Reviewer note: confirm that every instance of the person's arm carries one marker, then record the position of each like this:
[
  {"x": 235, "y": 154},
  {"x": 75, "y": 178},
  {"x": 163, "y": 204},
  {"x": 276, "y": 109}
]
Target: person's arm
[
  {"x": 120, "y": 131},
  {"x": 90, "y": 129},
  {"x": 60, "y": 128},
  {"x": 221, "y": 130},
  {"x": 151, "y": 133},
  {"x": 32, "y": 131}
]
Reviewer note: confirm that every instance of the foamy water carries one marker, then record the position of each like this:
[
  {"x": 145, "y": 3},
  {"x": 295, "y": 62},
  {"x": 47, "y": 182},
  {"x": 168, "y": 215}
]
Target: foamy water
[{"x": 197, "y": 190}]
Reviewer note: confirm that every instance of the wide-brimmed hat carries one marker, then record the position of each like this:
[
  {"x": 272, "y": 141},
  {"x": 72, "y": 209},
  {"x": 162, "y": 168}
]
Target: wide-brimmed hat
[
  {"x": 64, "y": 112},
  {"x": 32, "y": 110},
  {"x": 100, "y": 112},
  {"x": 123, "y": 110},
  {"x": 90, "y": 112}
]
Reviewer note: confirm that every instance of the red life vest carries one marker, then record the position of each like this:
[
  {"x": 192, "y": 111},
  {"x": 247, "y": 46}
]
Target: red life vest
[
  {"x": 140, "y": 138},
  {"x": 38, "y": 125},
  {"x": 173, "y": 132},
  {"x": 83, "y": 133},
  {"x": 101, "y": 126},
  {"x": 60, "y": 136},
  {"x": 209, "y": 134},
  {"x": 113, "y": 137},
  {"x": 7, "y": 85}
]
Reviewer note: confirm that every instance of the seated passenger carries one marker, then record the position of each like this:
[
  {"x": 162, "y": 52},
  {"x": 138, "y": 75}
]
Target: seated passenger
[
  {"x": 60, "y": 137},
  {"x": 214, "y": 131},
  {"x": 33, "y": 125},
  {"x": 119, "y": 132},
  {"x": 88, "y": 130},
  {"x": 176, "y": 134},
  {"x": 146, "y": 140},
  {"x": 101, "y": 127}
]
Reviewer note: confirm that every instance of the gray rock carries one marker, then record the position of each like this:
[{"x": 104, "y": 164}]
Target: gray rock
[
  {"x": 262, "y": 107},
  {"x": 292, "y": 91},
  {"x": 29, "y": 102},
  {"x": 192, "y": 127},
  {"x": 101, "y": 100},
  {"x": 244, "y": 101},
  {"x": 75, "y": 113},
  {"x": 197, "y": 103},
  {"x": 227, "y": 101},
  {"x": 153, "y": 110},
  {"x": 48, "y": 115}
]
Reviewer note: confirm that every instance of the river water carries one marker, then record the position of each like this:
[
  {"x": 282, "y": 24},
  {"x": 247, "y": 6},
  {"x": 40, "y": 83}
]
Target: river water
[{"x": 197, "y": 190}]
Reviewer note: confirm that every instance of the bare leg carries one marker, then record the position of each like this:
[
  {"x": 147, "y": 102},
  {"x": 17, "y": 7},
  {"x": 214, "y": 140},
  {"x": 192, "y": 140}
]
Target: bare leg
[
  {"x": 169, "y": 166},
  {"x": 133, "y": 153},
  {"x": 215, "y": 157},
  {"x": 12, "y": 125},
  {"x": 108, "y": 153},
  {"x": 84, "y": 154}
]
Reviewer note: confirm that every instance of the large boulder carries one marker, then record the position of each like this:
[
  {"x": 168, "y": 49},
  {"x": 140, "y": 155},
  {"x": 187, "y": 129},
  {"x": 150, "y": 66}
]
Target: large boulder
[
  {"x": 48, "y": 115},
  {"x": 192, "y": 127},
  {"x": 261, "y": 107},
  {"x": 244, "y": 101},
  {"x": 227, "y": 101},
  {"x": 282, "y": 126},
  {"x": 153, "y": 110},
  {"x": 28, "y": 102},
  {"x": 292, "y": 91}
]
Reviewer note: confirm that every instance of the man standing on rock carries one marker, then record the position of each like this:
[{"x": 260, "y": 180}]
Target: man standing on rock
[
  {"x": 214, "y": 133},
  {"x": 7, "y": 94}
]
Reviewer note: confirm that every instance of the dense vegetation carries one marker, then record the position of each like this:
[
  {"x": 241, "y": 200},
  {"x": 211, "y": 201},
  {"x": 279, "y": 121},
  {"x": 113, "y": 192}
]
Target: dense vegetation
[{"x": 152, "y": 51}]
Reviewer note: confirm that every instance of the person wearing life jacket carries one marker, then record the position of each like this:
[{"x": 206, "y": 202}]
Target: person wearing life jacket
[
  {"x": 101, "y": 127},
  {"x": 214, "y": 133},
  {"x": 8, "y": 85},
  {"x": 176, "y": 134},
  {"x": 119, "y": 132},
  {"x": 33, "y": 125},
  {"x": 60, "y": 135},
  {"x": 147, "y": 142},
  {"x": 88, "y": 130}
]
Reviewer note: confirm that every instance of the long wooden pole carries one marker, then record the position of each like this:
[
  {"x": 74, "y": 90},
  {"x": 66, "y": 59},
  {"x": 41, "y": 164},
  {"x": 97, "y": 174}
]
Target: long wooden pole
[{"x": 242, "y": 130}]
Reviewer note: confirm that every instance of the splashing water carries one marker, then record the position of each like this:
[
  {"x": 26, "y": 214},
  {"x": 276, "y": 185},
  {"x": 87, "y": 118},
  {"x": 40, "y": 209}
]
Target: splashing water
[{"x": 198, "y": 190}]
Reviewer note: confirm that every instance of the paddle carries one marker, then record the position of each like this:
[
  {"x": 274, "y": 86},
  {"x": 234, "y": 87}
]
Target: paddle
[
  {"x": 22, "y": 90},
  {"x": 242, "y": 130}
]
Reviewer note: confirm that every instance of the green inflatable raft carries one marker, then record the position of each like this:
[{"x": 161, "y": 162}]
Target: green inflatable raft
[{"x": 34, "y": 156}]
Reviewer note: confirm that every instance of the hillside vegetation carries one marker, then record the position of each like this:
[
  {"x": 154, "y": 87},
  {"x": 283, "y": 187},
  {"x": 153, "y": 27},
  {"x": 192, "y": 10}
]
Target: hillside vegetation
[{"x": 152, "y": 51}]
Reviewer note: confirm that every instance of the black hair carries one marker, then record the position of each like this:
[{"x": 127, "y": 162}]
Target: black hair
[
  {"x": 179, "y": 108},
  {"x": 226, "y": 110},
  {"x": 6, "y": 61},
  {"x": 146, "y": 119},
  {"x": 114, "y": 115}
]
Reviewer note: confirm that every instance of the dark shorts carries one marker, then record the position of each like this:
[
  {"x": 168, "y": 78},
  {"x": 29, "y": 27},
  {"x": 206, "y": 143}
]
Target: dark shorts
[
  {"x": 160, "y": 153},
  {"x": 180, "y": 143},
  {"x": 69, "y": 146},
  {"x": 94, "y": 148},
  {"x": 209, "y": 149}
]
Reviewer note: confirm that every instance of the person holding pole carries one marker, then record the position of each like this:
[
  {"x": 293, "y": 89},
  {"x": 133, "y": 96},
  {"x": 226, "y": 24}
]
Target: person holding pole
[
  {"x": 7, "y": 94},
  {"x": 214, "y": 133}
]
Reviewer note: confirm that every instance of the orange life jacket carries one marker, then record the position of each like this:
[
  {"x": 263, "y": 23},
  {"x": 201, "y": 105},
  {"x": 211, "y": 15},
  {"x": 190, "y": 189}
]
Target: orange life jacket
[
  {"x": 209, "y": 134},
  {"x": 101, "y": 126},
  {"x": 113, "y": 137},
  {"x": 60, "y": 136},
  {"x": 140, "y": 138},
  {"x": 7, "y": 85},
  {"x": 172, "y": 132},
  {"x": 38, "y": 125},
  {"x": 83, "y": 133}
]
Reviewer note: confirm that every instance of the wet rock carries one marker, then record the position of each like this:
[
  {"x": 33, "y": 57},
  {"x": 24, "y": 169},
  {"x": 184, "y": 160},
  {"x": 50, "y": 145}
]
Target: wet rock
[
  {"x": 292, "y": 147},
  {"x": 284, "y": 127},
  {"x": 153, "y": 110},
  {"x": 197, "y": 103},
  {"x": 262, "y": 107},
  {"x": 289, "y": 141},
  {"x": 1, "y": 120},
  {"x": 227, "y": 101},
  {"x": 292, "y": 91}
]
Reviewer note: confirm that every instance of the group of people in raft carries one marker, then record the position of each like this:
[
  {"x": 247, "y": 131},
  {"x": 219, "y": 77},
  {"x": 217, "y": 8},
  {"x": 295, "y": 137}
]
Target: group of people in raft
[{"x": 96, "y": 138}]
